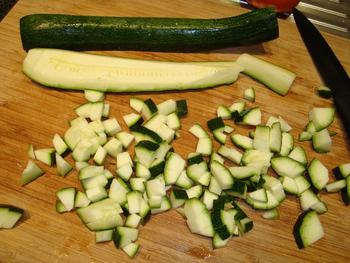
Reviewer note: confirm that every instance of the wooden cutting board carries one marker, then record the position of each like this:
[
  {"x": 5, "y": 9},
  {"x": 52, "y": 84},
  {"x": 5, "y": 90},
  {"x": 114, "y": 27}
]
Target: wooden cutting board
[{"x": 30, "y": 113}]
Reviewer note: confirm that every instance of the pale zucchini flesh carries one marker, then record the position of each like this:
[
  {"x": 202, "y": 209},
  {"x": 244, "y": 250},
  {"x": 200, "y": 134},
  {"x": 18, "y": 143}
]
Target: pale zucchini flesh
[{"x": 80, "y": 71}]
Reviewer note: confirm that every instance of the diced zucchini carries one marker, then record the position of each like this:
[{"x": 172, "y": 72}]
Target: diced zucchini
[
  {"x": 287, "y": 144},
  {"x": 219, "y": 135},
  {"x": 133, "y": 198},
  {"x": 273, "y": 185},
  {"x": 118, "y": 191},
  {"x": 261, "y": 140},
  {"x": 271, "y": 214},
  {"x": 238, "y": 189},
  {"x": 60, "y": 146},
  {"x": 166, "y": 133},
  {"x": 67, "y": 197},
  {"x": 249, "y": 94},
  {"x": 165, "y": 205},
  {"x": 96, "y": 110},
  {"x": 181, "y": 108},
  {"x": 230, "y": 153},
  {"x": 137, "y": 184},
  {"x": 125, "y": 138},
  {"x": 258, "y": 195},
  {"x": 184, "y": 181},
  {"x": 198, "y": 131},
  {"x": 318, "y": 174},
  {"x": 342, "y": 170},
  {"x": 285, "y": 166},
  {"x": 100, "y": 155},
  {"x": 113, "y": 147},
  {"x": 133, "y": 220},
  {"x": 30, "y": 173},
  {"x": 302, "y": 184},
  {"x": 46, "y": 155},
  {"x": 275, "y": 137},
  {"x": 252, "y": 117},
  {"x": 345, "y": 192},
  {"x": 178, "y": 197},
  {"x": 194, "y": 192},
  {"x": 208, "y": 199},
  {"x": 123, "y": 158},
  {"x": 112, "y": 126},
  {"x": 174, "y": 165},
  {"x": 81, "y": 200},
  {"x": 320, "y": 207},
  {"x": 9, "y": 216},
  {"x": 133, "y": 119},
  {"x": 305, "y": 136},
  {"x": 124, "y": 236},
  {"x": 63, "y": 167},
  {"x": 106, "y": 110},
  {"x": 307, "y": 229},
  {"x": 222, "y": 175},
  {"x": 289, "y": 185},
  {"x": 125, "y": 171},
  {"x": 136, "y": 104},
  {"x": 298, "y": 154},
  {"x": 237, "y": 107},
  {"x": 218, "y": 242},
  {"x": 223, "y": 112},
  {"x": 204, "y": 146},
  {"x": 149, "y": 108},
  {"x": 145, "y": 133},
  {"x": 243, "y": 172},
  {"x": 228, "y": 129},
  {"x": 144, "y": 151},
  {"x": 155, "y": 187},
  {"x": 253, "y": 156},
  {"x": 173, "y": 121},
  {"x": 60, "y": 208},
  {"x": 198, "y": 218},
  {"x": 324, "y": 92},
  {"x": 307, "y": 199},
  {"x": 90, "y": 171},
  {"x": 131, "y": 249},
  {"x": 82, "y": 151},
  {"x": 155, "y": 122},
  {"x": 96, "y": 193},
  {"x": 336, "y": 186},
  {"x": 215, "y": 124},
  {"x": 242, "y": 141},
  {"x": 79, "y": 121},
  {"x": 94, "y": 95},
  {"x": 142, "y": 171},
  {"x": 101, "y": 215},
  {"x": 214, "y": 186},
  {"x": 321, "y": 141},
  {"x": 322, "y": 117},
  {"x": 104, "y": 235},
  {"x": 167, "y": 107}
]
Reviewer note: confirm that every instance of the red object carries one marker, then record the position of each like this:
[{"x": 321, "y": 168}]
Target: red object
[{"x": 280, "y": 5}]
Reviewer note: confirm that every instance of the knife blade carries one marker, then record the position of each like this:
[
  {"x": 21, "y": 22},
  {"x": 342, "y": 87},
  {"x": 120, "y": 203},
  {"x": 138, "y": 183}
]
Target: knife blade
[{"x": 330, "y": 69}]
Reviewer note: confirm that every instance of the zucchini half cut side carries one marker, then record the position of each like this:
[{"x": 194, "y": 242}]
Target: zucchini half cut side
[{"x": 80, "y": 71}]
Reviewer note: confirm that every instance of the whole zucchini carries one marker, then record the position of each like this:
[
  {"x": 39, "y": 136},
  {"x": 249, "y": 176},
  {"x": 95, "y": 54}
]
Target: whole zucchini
[{"x": 149, "y": 34}]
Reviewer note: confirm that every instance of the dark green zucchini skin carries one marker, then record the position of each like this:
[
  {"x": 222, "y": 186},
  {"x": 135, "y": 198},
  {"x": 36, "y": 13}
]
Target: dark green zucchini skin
[{"x": 146, "y": 33}]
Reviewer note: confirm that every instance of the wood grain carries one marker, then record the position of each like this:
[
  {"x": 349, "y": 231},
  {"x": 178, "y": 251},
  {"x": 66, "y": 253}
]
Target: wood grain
[{"x": 30, "y": 113}]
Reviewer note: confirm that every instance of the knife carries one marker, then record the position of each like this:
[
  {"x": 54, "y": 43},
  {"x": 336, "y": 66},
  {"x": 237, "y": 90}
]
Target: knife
[{"x": 328, "y": 66}]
